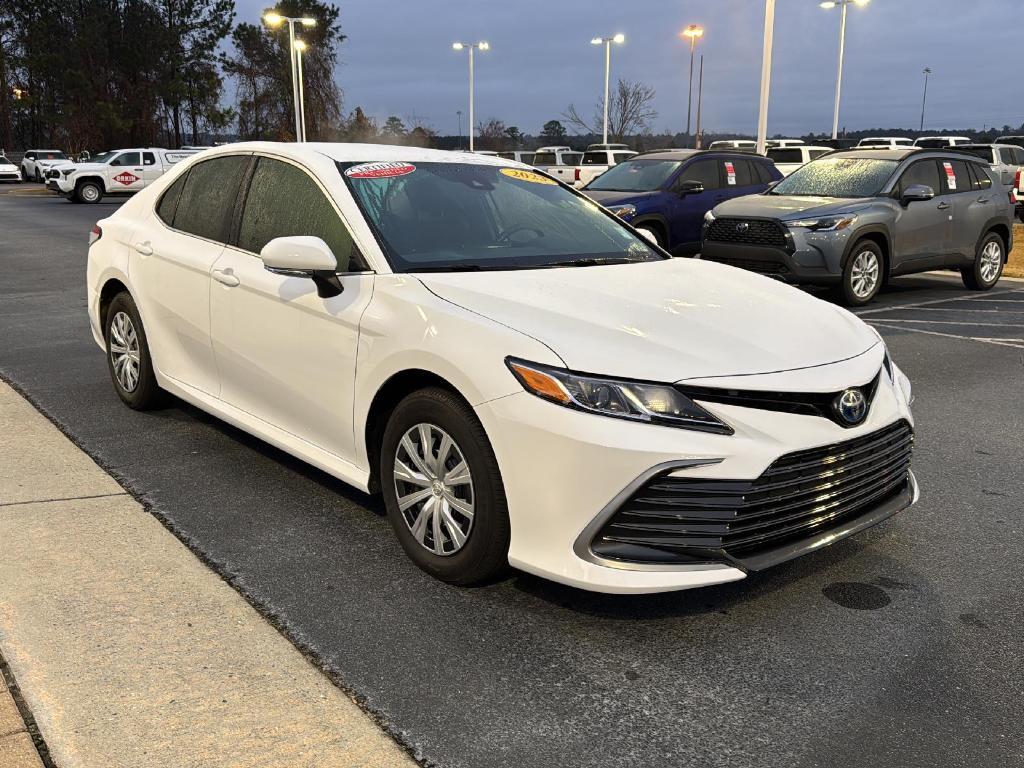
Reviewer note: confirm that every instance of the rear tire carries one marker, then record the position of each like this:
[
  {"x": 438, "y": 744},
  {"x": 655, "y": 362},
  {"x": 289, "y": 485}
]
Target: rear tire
[
  {"x": 128, "y": 358},
  {"x": 863, "y": 274},
  {"x": 988, "y": 264},
  {"x": 454, "y": 524}
]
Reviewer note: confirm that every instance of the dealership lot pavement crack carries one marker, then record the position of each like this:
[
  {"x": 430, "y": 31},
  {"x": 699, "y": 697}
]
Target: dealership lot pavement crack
[{"x": 898, "y": 647}]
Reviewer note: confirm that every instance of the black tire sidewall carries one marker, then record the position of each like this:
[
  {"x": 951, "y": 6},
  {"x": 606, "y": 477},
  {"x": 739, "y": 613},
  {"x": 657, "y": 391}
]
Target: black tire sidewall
[
  {"x": 147, "y": 394},
  {"x": 972, "y": 274},
  {"x": 849, "y": 298},
  {"x": 485, "y": 554}
]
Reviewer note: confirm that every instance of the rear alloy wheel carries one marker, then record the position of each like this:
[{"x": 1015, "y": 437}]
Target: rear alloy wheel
[
  {"x": 131, "y": 368},
  {"x": 443, "y": 490},
  {"x": 88, "y": 192},
  {"x": 862, "y": 276},
  {"x": 988, "y": 264}
]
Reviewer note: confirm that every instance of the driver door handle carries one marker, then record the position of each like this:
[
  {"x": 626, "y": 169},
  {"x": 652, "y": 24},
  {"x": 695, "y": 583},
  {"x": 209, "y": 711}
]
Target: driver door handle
[
  {"x": 144, "y": 248},
  {"x": 225, "y": 277},
  {"x": 944, "y": 206}
]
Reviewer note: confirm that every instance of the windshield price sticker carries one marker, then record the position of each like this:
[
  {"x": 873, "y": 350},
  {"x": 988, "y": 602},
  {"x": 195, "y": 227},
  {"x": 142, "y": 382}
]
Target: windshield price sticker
[
  {"x": 950, "y": 175},
  {"x": 383, "y": 170},
  {"x": 530, "y": 176},
  {"x": 730, "y": 173}
]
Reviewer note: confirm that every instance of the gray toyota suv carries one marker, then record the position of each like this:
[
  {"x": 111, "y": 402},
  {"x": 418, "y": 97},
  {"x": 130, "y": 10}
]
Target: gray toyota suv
[{"x": 854, "y": 218}]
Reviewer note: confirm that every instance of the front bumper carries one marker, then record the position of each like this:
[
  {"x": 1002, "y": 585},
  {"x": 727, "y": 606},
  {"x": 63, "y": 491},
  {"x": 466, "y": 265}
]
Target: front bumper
[
  {"x": 565, "y": 472},
  {"x": 814, "y": 258}
]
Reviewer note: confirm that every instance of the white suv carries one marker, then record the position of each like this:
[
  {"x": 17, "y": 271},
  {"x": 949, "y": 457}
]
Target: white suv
[
  {"x": 415, "y": 323},
  {"x": 35, "y": 162}
]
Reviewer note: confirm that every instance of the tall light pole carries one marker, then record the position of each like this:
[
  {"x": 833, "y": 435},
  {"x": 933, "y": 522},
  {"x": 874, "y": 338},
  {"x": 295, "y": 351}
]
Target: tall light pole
[
  {"x": 700, "y": 98},
  {"x": 828, "y": 5},
  {"x": 300, "y": 47},
  {"x": 927, "y": 71},
  {"x": 481, "y": 46},
  {"x": 607, "y": 43},
  {"x": 693, "y": 32},
  {"x": 766, "y": 75},
  {"x": 459, "y": 113},
  {"x": 274, "y": 19}
]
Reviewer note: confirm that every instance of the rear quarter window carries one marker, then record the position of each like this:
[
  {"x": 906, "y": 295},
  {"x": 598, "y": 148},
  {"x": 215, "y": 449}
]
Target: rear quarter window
[
  {"x": 206, "y": 204},
  {"x": 168, "y": 204}
]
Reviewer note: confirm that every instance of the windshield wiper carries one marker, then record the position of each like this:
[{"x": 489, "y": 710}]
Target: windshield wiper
[{"x": 592, "y": 262}]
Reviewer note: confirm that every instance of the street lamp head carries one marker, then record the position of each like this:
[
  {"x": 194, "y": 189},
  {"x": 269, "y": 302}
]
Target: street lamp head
[
  {"x": 483, "y": 45},
  {"x": 300, "y": 45},
  {"x": 457, "y": 46},
  {"x": 828, "y": 5},
  {"x": 307, "y": 21},
  {"x": 619, "y": 38},
  {"x": 693, "y": 31},
  {"x": 273, "y": 19},
  {"x": 861, "y": 2},
  {"x": 597, "y": 41}
]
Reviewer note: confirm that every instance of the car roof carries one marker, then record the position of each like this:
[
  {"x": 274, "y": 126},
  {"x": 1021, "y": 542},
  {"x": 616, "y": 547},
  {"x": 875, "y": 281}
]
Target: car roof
[{"x": 345, "y": 152}]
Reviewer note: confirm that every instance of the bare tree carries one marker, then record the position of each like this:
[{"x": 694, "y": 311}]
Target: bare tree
[
  {"x": 629, "y": 112},
  {"x": 491, "y": 134}
]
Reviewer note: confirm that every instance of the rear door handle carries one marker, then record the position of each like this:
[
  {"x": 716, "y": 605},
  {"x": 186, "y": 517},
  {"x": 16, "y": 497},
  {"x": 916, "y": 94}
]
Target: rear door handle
[
  {"x": 144, "y": 248},
  {"x": 944, "y": 206},
  {"x": 226, "y": 277}
]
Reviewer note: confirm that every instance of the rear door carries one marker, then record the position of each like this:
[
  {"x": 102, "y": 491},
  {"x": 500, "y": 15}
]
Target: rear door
[
  {"x": 972, "y": 198},
  {"x": 152, "y": 168},
  {"x": 173, "y": 255},
  {"x": 126, "y": 173}
]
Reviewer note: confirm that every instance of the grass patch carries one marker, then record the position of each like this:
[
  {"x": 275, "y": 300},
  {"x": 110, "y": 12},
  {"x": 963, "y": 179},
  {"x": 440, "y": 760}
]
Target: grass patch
[{"x": 1015, "y": 266}]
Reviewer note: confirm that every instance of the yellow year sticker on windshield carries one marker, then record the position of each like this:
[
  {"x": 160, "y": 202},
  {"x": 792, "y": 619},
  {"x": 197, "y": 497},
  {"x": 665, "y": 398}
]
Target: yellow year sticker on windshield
[{"x": 530, "y": 176}]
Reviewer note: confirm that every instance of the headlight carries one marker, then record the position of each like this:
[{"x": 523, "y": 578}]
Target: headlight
[
  {"x": 709, "y": 217},
  {"x": 824, "y": 224},
  {"x": 68, "y": 172},
  {"x": 623, "y": 211},
  {"x": 636, "y": 401}
]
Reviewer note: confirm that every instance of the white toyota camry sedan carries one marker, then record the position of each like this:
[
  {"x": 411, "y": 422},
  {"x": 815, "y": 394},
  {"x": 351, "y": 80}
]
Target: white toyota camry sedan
[{"x": 525, "y": 378}]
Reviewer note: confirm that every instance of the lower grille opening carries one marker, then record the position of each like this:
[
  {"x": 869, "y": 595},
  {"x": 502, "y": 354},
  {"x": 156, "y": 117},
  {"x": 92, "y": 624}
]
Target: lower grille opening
[{"x": 799, "y": 497}]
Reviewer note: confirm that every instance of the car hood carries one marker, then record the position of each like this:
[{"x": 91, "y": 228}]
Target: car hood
[
  {"x": 5, "y": 166},
  {"x": 90, "y": 166},
  {"x": 787, "y": 207},
  {"x": 662, "y": 321},
  {"x": 608, "y": 197},
  {"x": 49, "y": 163}
]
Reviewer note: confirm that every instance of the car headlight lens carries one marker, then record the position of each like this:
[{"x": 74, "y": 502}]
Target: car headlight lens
[
  {"x": 824, "y": 224},
  {"x": 636, "y": 401},
  {"x": 623, "y": 211}
]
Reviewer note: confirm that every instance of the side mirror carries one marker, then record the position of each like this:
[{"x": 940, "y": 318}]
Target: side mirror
[
  {"x": 303, "y": 256},
  {"x": 684, "y": 188},
  {"x": 917, "y": 193}
]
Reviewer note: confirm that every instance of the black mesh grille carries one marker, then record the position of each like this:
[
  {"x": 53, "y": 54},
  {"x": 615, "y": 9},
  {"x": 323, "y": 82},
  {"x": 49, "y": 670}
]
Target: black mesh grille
[
  {"x": 753, "y": 265},
  {"x": 746, "y": 232},
  {"x": 801, "y": 494}
]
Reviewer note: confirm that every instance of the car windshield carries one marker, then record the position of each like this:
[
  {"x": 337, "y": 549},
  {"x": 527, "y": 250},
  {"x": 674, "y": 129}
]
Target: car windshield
[
  {"x": 837, "y": 177},
  {"x": 635, "y": 176},
  {"x": 472, "y": 216},
  {"x": 599, "y": 157},
  {"x": 932, "y": 143},
  {"x": 52, "y": 156},
  {"x": 103, "y": 157}
]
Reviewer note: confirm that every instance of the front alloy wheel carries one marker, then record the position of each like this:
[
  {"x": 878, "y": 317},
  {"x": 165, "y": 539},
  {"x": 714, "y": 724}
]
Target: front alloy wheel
[
  {"x": 862, "y": 276},
  {"x": 434, "y": 488}
]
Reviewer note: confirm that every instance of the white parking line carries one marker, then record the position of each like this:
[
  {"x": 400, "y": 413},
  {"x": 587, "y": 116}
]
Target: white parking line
[
  {"x": 958, "y": 309},
  {"x": 946, "y": 322},
  {"x": 1015, "y": 343},
  {"x": 933, "y": 301}
]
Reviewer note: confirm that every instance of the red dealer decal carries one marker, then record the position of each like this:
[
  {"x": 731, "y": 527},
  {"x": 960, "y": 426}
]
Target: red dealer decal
[
  {"x": 384, "y": 170},
  {"x": 730, "y": 174},
  {"x": 950, "y": 175},
  {"x": 126, "y": 178}
]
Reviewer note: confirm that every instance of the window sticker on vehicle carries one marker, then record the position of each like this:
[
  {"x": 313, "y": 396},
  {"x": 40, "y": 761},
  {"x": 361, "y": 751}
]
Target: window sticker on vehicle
[
  {"x": 950, "y": 175},
  {"x": 126, "y": 178},
  {"x": 382, "y": 170},
  {"x": 730, "y": 174},
  {"x": 530, "y": 176}
]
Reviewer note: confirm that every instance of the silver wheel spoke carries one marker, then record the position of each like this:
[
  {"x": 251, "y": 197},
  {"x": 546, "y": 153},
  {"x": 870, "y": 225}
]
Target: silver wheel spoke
[
  {"x": 413, "y": 498},
  {"x": 413, "y": 454},
  {"x": 459, "y": 505},
  {"x": 407, "y": 475},
  {"x": 442, "y": 455},
  {"x": 458, "y": 475},
  {"x": 419, "y": 526},
  {"x": 454, "y": 532}
]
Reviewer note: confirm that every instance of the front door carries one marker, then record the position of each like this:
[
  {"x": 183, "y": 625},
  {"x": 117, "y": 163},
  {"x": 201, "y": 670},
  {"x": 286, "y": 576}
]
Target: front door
[
  {"x": 126, "y": 173},
  {"x": 285, "y": 355},
  {"x": 687, "y": 210},
  {"x": 923, "y": 229}
]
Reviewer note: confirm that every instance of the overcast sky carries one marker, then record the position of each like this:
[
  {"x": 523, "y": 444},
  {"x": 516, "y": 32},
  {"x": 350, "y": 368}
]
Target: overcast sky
[{"x": 398, "y": 60}]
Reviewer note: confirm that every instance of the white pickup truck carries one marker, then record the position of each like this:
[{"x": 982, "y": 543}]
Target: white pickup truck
[
  {"x": 119, "y": 172},
  {"x": 788, "y": 159},
  {"x": 599, "y": 158},
  {"x": 561, "y": 162}
]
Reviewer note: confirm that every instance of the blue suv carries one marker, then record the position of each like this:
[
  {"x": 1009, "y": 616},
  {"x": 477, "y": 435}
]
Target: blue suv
[{"x": 667, "y": 192}]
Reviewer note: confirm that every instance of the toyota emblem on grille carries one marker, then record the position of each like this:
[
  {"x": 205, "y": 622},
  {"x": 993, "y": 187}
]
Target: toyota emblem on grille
[
  {"x": 852, "y": 406},
  {"x": 742, "y": 226}
]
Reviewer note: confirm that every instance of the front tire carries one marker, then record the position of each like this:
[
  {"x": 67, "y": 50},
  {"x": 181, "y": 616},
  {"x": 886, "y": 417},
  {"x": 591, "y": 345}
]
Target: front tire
[
  {"x": 443, "y": 490},
  {"x": 862, "y": 275},
  {"x": 88, "y": 192},
  {"x": 128, "y": 358},
  {"x": 988, "y": 264}
]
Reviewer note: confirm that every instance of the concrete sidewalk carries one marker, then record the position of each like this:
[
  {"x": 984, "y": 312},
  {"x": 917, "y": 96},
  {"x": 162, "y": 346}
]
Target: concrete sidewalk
[{"x": 130, "y": 652}]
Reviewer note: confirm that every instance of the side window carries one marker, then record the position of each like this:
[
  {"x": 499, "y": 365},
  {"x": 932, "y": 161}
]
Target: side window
[
  {"x": 283, "y": 201},
  {"x": 30, "y": 155},
  {"x": 148, "y": 158},
  {"x": 206, "y": 204},
  {"x": 979, "y": 177},
  {"x": 922, "y": 172},
  {"x": 704, "y": 171},
  {"x": 126, "y": 158},
  {"x": 746, "y": 176},
  {"x": 814, "y": 154},
  {"x": 618, "y": 157},
  {"x": 169, "y": 201},
  {"x": 954, "y": 176}
]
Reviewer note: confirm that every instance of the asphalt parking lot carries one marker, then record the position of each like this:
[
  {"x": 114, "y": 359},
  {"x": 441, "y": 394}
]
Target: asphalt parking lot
[{"x": 899, "y": 647}]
